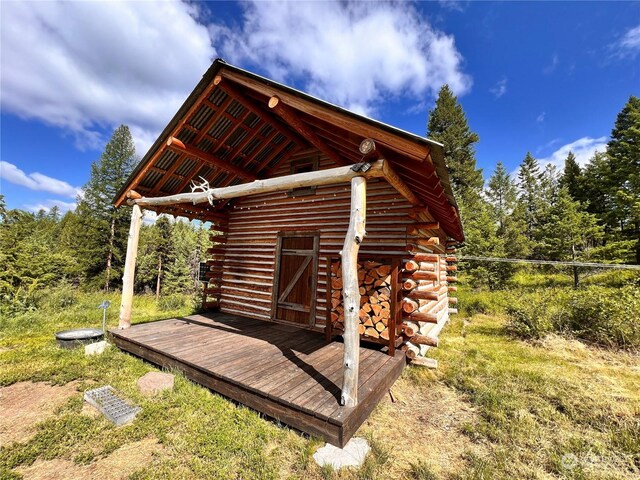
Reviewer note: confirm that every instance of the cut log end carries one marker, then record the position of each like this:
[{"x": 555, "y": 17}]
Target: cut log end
[
  {"x": 274, "y": 101},
  {"x": 367, "y": 146}
]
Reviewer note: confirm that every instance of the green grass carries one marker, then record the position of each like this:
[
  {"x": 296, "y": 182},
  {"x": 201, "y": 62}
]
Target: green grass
[
  {"x": 534, "y": 403},
  {"x": 540, "y": 402}
]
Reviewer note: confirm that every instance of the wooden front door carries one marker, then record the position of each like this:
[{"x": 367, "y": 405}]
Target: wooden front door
[{"x": 295, "y": 278}]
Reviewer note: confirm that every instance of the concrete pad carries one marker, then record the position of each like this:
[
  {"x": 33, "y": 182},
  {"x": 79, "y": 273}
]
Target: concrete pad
[
  {"x": 352, "y": 455},
  {"x": 155, "y": 382},
  {"x": 95, "y": 348}
]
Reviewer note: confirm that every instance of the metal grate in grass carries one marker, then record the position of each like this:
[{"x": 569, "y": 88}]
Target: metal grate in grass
[{"x": 111, "y": 406}]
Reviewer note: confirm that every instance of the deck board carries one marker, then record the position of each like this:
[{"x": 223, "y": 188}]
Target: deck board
[{"x": 287, "y": 373}]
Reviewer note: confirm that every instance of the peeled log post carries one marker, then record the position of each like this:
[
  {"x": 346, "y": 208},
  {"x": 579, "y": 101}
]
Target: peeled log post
[
  {"x": 351, "y": 291},
  {"x": 130, "y": 268}
]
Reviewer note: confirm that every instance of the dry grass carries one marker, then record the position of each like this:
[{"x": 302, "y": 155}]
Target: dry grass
[
  {"x": 120, "y": 464},
  {"x": 25, "y": 404},
  {"x": 425, "y": 413}
]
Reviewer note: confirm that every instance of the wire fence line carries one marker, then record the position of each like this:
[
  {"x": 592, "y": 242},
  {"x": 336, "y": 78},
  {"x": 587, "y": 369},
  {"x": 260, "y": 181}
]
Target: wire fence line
[{"x": 618, "y": 266}]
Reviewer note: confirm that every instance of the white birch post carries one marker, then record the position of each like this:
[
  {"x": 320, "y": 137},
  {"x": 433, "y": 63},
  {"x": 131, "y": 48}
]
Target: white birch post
[
  {"x": 130, "y": 268},
  {"x": 351, "y": 291}
]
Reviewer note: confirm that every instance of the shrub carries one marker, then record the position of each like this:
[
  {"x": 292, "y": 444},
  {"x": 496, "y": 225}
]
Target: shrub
[
  {"x": 606, "y": 316},
  {"x": 22, "y": 300},
  {"x": 613, "y": 278},
  {"x": 536, "y": 315},
  {"x": 171, "y": 302},
  {"x": 58, "y": 298},
  {"x": 486, "y": 303}
]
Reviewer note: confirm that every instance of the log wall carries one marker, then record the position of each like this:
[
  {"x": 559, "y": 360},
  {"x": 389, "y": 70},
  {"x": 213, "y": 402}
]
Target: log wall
[
  {"x": 255, "y": 221},
  {"x": 395, "y": 228}
]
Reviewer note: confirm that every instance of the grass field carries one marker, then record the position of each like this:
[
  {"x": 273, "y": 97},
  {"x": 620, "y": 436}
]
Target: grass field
[{"x": 497, "y": 407}]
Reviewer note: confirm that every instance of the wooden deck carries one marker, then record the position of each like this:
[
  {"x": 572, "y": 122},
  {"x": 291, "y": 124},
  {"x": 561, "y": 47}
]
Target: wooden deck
[{"x": 287, "y": 373}]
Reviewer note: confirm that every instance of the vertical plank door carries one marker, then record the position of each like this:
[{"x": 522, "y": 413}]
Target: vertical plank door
[{"x": 295, "y": 279}]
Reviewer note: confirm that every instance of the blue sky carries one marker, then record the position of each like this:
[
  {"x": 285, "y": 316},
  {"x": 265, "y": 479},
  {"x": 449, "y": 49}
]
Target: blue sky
[{"x": 544, "y": 77}]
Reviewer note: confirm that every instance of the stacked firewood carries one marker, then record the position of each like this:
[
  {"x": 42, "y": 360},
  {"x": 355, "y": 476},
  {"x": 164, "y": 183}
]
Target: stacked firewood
[{"x": 375, "y": 298}]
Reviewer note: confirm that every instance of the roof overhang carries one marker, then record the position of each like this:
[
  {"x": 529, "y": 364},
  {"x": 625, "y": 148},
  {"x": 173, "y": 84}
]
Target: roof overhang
[{"x": 230, "y": 131}]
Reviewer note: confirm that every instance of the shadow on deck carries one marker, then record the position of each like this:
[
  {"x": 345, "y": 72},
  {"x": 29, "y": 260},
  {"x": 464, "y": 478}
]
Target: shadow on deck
[{"x": 287, "y": 373}]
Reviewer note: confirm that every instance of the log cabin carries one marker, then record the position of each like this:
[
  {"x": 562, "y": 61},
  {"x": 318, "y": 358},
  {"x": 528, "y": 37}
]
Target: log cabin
[{"x": 333, "y": 250}]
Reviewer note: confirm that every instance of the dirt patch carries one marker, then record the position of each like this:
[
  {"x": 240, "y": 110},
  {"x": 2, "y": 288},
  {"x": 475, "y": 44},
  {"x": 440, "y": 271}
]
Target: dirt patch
[
  {"x": 120, "y": 464},
  {"x": 24, "y": 404},
  {"x": 424, "y": 424}
]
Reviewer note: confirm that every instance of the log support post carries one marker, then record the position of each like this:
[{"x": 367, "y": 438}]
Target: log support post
[
  {"x": 130, "y": 268},
  {"x": 351, "y": 291}
]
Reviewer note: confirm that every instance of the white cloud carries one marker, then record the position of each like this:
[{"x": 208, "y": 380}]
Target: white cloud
[
  {"x": 500, "y": 88},
  {"x": 47, "y": 205},
  {"x": 453, "y": 5},
  {"x": 628, "y": 45},
  {"x": 549, "y": 69},
  {"x": 149, "y": 217},
  {"x": 540, "y": 118},
  {"x": 352, "y": 54},
  {"x": 36, "y": 181},
  {"x": 87, "y": 66},
  {"x": 583, "y": 149}
]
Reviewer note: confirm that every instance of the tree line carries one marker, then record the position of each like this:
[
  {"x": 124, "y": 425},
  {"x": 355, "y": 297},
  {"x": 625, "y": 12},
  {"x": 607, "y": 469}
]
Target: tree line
[
  {"x": 578, "y": 213},
  {"x": 86, "y": 247}
]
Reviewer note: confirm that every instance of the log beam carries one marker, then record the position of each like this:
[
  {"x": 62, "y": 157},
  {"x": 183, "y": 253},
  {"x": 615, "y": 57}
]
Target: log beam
[
  {"x": 308, "y": 179},
  {"x": 396, "y": 182},
  {"x": 351, "y": 292},
  {"x": 369, "y": 150},
  {"x": 223, "y": 165},
  {"x": 290, "y": 117},
  {"x": 130, "y": 268}
]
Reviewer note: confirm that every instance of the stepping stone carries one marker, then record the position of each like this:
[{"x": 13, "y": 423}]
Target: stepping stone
[
  {"x": 155, "y": 382},
  {"x": 95, "y": 348},
  {"x": 352, "y": 455}
]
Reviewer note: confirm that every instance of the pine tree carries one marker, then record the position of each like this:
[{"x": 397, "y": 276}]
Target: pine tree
[
  {"x": 104, "y": 237},
  {"x": 179, "y": 274},
  {"x": 568, "y": 231},
  {"x": 529, "y": 184},
  {"x": 163, "y": 249},
  {"x": 596, "y": 186},
  {"x": 572, "y": 178},
  {"x": 623, "y": 151},
  {"x": 502, "y": 195},
  {"x": 448, "y": 125}
]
